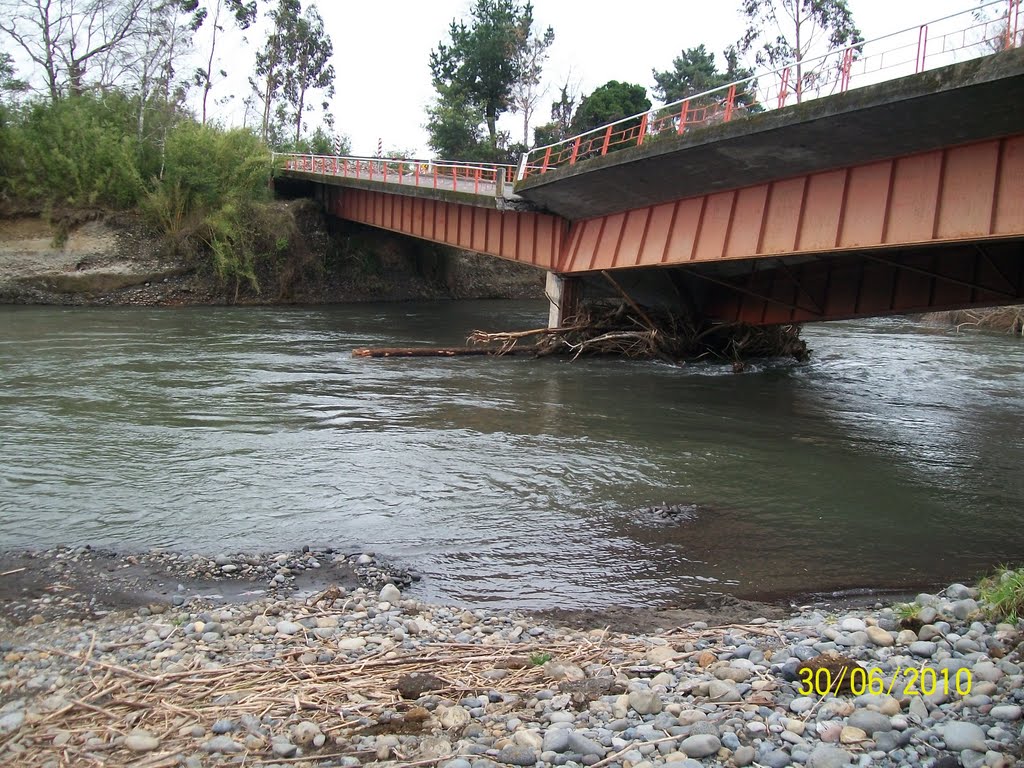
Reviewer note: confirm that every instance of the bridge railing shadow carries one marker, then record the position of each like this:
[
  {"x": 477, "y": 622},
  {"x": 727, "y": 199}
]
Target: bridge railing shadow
[{"x": 958, "y": 37}]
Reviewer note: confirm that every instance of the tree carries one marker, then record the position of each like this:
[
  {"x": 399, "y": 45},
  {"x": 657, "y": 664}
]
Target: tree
[
  {"x": 784, "y": 32},
  {"x": 271, "y": 62},
  {"x": 562, "y": 112},
  {"x": 309, "y": 51},
  {"x": 608, "y": 103},
  {"x": 480, "y": 65},
  {"x": 65, "y": 37},
  {"x": 694, "y": 71},
  {"x": 9, "y": 84},
  {"x": 453, "y": 125},
  {"x": 244, "y": 15},
  {"x": 531, "y": 53}
]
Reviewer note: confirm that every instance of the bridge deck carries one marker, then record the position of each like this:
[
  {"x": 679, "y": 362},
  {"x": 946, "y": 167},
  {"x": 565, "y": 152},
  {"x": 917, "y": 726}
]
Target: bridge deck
[{"x": 959, "y": 104}]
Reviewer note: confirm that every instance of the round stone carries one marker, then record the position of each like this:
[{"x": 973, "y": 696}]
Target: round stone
[
  {"x": 880, "y": 637},
  {"x": 701, "y": 745},
  {"x": 141, "y": 741},
  {"x": 288, "y": 627},
  {"x": 923, "y": 648},
  {"x": 645, "y": 702},
  {"x": 960, "y": 736},
  {"x": 829, "y": 757},
  {"x": 1007, "y": 712}
]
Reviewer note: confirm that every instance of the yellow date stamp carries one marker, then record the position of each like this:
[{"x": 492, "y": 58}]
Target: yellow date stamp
[{"x": 919, "y": 681}]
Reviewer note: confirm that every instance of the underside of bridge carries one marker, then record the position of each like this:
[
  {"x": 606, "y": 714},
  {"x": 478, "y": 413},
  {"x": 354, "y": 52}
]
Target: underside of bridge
[{"x": 827, "y": 286}]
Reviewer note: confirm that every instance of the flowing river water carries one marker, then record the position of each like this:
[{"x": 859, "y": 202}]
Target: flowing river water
[{"x": 893, "y": 460}]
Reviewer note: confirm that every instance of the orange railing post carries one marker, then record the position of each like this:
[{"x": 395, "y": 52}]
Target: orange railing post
[
  {"x": 844, "y": 83},
  {"x": 455, "y": 179},
  {"x": 575, "y": 150},
  {"x": 643, "y": 130},
  {"x": 784, "y": 88},
  {"x": 682, "y": 117},
  {"x": 729, "y": 103},
  {"x": 922, "y": 47},
  {"x": 547, "y": 159},
  {"x": 476, "y": 182},
  {"x": 607, "y": 141}
]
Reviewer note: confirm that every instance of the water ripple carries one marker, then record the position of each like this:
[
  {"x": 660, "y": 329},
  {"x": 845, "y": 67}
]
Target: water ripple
[{"x": 892, "y": 458}]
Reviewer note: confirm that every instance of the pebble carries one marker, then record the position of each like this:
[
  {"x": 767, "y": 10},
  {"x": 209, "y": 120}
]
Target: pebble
[
  {"x": 743, "y": 756},
  {"x": 923, "y": 648},
  {"x": 701, "y": 745},
  {"x": 140, "y": 740},
  {"x": 1006, "y": 712},
  {"x": 622, "y": 704},
  {"x": 828, "y": 757},
  {"x": 517, "y": 755},
  {"x": 223, "y": 744},
  {"x": 880, "y": 637},
  {"x": 870, "y": 722},
  {"x": 645, "y": 702},
  {"x": 959, "y": 736},
  {"x": 389, "y": 593},
  {"x": 556, "y": 741}
]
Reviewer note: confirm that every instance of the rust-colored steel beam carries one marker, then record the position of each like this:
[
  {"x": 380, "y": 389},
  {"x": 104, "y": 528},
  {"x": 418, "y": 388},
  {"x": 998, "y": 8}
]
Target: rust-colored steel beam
[
  {"x": 525, "y": 236},
  {"x": 867, "y": 284},
  {"x": 966, "y": 193}
]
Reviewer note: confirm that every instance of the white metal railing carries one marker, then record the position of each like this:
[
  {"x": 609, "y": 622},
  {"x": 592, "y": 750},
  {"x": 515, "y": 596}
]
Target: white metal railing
[
  {"x": 956, "y": 37},
  {"x": 476, "y": 178}
]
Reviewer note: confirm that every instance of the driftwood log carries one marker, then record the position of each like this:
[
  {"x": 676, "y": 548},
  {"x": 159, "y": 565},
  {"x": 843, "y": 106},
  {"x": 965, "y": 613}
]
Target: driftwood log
[{"x": 624, "y": 329}]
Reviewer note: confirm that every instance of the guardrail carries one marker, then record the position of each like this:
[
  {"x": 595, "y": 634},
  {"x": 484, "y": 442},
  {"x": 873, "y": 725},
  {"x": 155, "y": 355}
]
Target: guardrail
[
  {"x": 947, "y": 40},
  {"x": 476, "y": 178}
]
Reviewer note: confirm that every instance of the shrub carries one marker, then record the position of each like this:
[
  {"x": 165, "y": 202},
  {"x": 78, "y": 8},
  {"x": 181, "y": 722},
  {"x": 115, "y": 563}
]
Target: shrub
[
  {"x": 1003, "y": 592},
  {"x": 79, "y": 151},
  {"x": 209, "y": 198}
]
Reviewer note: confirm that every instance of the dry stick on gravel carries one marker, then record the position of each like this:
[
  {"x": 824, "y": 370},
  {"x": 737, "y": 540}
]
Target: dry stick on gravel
[
  {"x": 612, "y": 758},
  {"x": 126, "y": 698}
]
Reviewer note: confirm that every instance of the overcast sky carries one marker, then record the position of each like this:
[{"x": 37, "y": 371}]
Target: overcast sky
[{"x": 382, "y": 49}]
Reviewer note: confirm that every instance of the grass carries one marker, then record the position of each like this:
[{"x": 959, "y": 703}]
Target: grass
[
  {"x": 540, "y": 659},
  {"x": 1003, "y": 592},
  {"x": 906, "y": 610}
]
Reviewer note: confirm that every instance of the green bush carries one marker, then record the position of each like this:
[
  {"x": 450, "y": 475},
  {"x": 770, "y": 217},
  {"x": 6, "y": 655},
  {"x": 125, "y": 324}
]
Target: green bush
[
  {"x": 209, "y": 198},
  {"x": 205, "y": 188},
  {"x": 1003, "y": 592},
  {"x": 79, "y": 152}
]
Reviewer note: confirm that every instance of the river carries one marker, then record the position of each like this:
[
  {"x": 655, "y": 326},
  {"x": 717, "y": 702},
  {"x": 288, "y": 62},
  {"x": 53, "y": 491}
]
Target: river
[{"x": 892, "y": 460}]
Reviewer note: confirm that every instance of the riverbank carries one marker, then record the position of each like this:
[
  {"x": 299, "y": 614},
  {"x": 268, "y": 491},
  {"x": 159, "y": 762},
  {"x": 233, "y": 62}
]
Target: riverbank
[
  {"x": 86, "y": 257},
  {"x": 362, "y": 673}
]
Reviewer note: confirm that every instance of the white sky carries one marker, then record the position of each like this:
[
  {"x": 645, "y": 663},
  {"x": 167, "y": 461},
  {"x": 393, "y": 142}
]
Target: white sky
[{"x": 382, "y": 49}]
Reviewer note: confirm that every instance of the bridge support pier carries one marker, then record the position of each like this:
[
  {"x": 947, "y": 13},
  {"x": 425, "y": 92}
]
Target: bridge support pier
[{"x": 564, "y": 294}]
